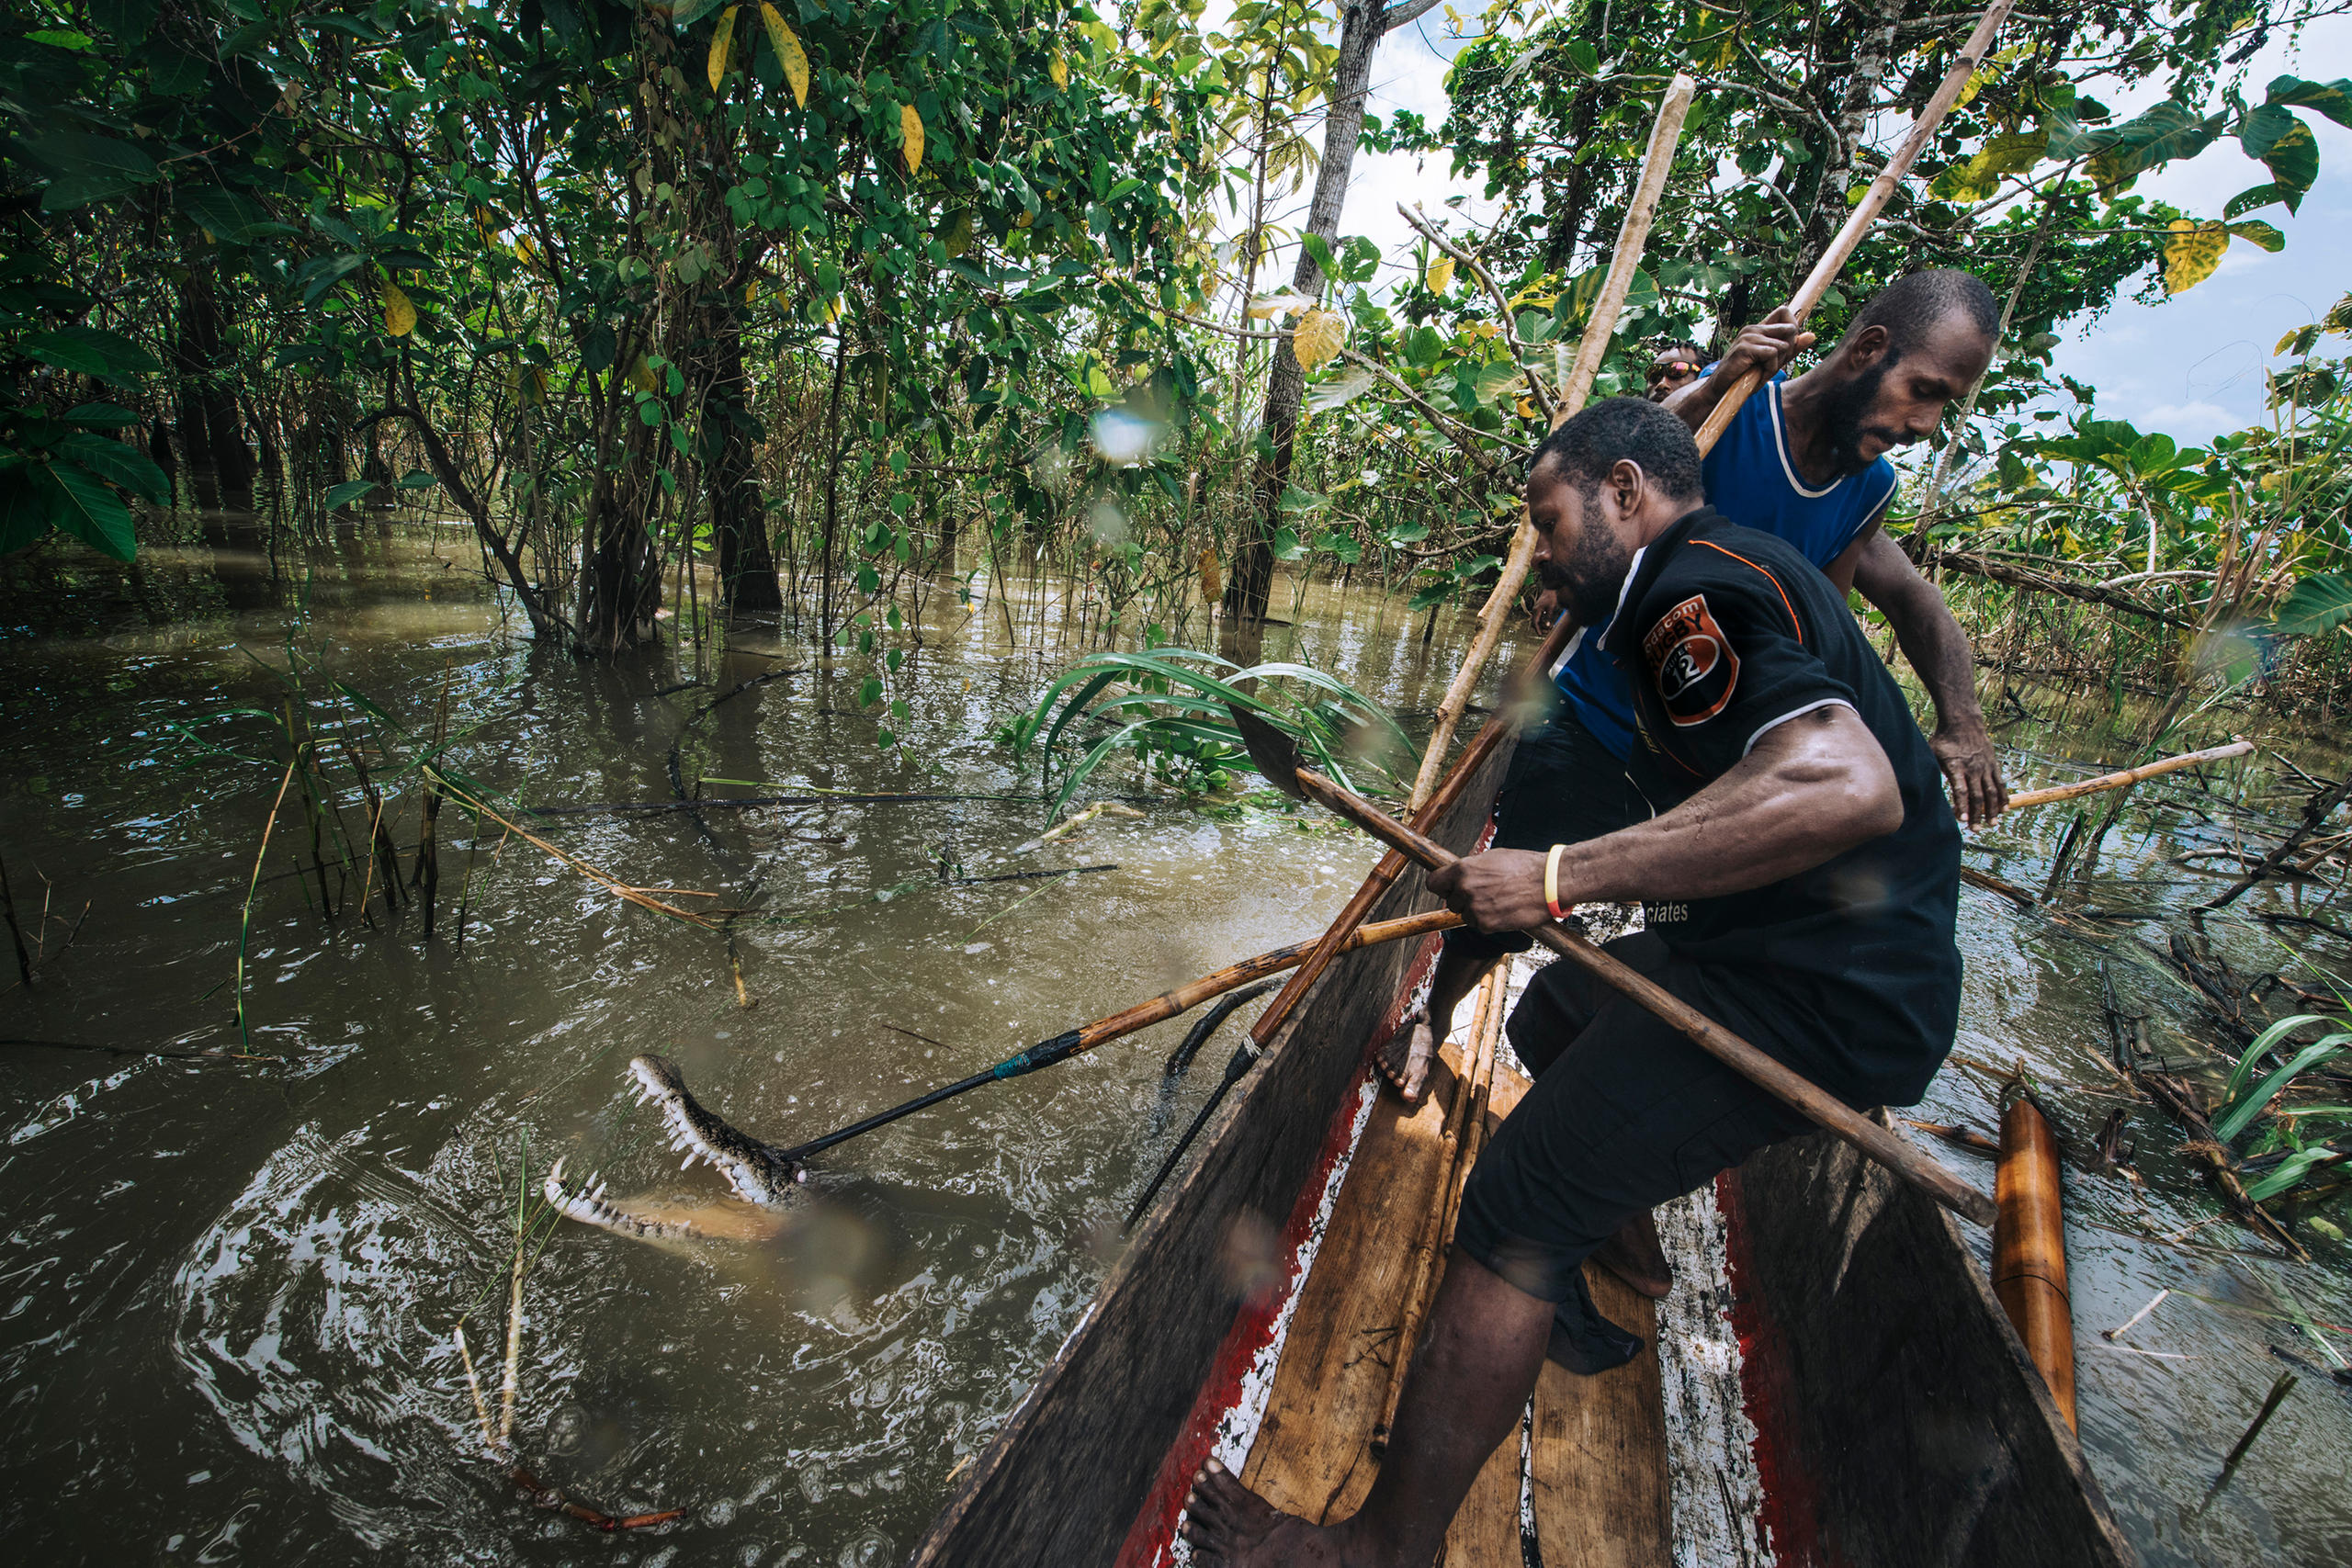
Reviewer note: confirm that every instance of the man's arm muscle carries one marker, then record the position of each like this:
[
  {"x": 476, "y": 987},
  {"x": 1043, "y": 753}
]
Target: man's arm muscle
[{"x": 1814, "y": 787}]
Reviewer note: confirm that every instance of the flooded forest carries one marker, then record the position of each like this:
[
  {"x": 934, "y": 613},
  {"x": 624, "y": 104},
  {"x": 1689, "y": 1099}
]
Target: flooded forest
[{"x": 542, "y": 536}]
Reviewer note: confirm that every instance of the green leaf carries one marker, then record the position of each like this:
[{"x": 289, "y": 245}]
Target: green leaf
[
  {"x": 228, "y": 214},
  {"x": 93, "y": 352},
  {"x": 2255, "y": 231},
  {"x": 23, "y": 516},
  {"x": 2317, "y": 605},
  {"x": 128, "y": 20},
  {"x": 82, "y": 505},
  {"x": 2241, "y": 1113},
  {"x": 98, "y": 416},
  {"x": 1315, "y": 246},
  {"x": 2165, "y": 133},
  {"x": 2255, "y": 197},
  {"x": 1286, "y": 545},
  {"x": 2332, "y": 99},
  {"x": 117, "y": 464},
  {"x": 2262, "y": 1046},
  {"x": 2291, "y": 1170},
  {"x": 78, "y": 152},
  {"x": 343, "y": 494},
  {"x": 2294, "y": 163}
]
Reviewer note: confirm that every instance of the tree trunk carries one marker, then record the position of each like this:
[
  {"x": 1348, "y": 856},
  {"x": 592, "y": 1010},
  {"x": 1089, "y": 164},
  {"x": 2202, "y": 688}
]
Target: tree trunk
[
  {"x": 620, "y": 580},
  {"x": 1251, "y": 583},
  {"x": 731, "y": 475},
  {"x": 221, "y": 466},
  {"x": 1875, "y": 23}
]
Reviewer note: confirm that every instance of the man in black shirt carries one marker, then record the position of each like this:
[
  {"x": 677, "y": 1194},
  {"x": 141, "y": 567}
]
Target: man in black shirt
[{"x": 1800, "y": 877}]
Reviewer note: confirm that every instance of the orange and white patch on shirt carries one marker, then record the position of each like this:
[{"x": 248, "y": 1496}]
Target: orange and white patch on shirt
[{"x": 1691, "y": 662}]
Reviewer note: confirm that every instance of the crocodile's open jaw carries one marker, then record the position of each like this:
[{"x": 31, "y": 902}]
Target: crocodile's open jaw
[
  {"x": 589, "y": 1206},
  {"x": 759, "y": 1172}
]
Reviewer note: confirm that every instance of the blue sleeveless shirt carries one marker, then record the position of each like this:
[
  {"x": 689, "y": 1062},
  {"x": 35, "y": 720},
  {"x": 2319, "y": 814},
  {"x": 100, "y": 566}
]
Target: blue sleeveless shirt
[{"x": 1751, "y": 478}]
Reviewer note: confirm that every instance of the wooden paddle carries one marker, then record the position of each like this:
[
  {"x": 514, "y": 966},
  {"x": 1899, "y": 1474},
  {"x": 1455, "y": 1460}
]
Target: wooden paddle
[{"x": 1274, "y": 755}]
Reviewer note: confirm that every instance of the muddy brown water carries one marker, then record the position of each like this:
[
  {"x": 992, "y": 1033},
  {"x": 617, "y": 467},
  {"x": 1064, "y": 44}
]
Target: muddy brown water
[{"x": 228, "y": 1290}]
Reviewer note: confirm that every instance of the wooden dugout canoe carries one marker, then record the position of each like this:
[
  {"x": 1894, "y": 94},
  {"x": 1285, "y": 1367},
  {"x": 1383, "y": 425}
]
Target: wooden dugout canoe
[{"x": 1886, "y": 1413}]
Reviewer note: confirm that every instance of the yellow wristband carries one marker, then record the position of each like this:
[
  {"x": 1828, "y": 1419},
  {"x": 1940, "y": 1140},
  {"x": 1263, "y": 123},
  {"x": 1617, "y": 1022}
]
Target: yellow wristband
[{"x": 1552, "y": 882}]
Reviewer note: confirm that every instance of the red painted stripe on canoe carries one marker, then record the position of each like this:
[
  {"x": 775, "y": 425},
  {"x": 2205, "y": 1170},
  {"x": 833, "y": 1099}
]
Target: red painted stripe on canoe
[
  {"x": 1152, "y": 1534},
  {"x": 1788, "y": 1525}
]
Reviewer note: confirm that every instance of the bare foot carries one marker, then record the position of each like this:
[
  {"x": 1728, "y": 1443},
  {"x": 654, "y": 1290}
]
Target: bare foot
[
  {"x": 1231, "y": 1527},
  {"x": 1635, "y": 1255},
  {"x": 1404, "y": 1061}
]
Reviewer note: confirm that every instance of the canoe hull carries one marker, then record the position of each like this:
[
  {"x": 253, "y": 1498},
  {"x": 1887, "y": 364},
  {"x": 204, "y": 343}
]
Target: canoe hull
[
  {"x": 1899, "y": 1421},
  {"x": 1066, "y": 1478}
]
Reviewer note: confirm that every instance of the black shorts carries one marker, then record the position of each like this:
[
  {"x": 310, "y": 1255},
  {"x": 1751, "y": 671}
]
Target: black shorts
[
  {"x": 1563, "y": 786},
  {"x": 1625, "y": 1114}
]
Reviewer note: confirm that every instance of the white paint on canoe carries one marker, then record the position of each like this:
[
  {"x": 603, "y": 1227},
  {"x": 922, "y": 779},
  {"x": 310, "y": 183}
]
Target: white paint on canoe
[
  {"x": 1236, "y": 1429},
  {"x": 1710, "y": 1442}
]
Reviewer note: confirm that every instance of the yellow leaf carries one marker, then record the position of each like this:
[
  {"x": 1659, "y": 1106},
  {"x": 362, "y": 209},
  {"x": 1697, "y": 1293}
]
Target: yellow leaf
[
  {"x": 1439, "y": 276},
  {"x": 642, "y": 376},
  {"x": 1526, "y": 406},
  {"x": 2192, "y": 254},
  {"x": 955, "y": 236},
  {"x": 1212, "y": 581},
  {"x": 400, "y": 316},
  {"x": 1058, "y": 69},
  {"x": 911, "y": 132},
  {"x": 722, "y": 37},
  {"x": 1317, "y": 338},
  {"x": 788, "y": 53}
]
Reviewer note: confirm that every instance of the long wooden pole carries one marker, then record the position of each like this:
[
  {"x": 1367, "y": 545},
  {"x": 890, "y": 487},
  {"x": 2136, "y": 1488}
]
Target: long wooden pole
[
  {"x": 1632, "y": 235},
  {"x": 2127, "y": 775},
  {"x": 1825, "y": 271},
  {"x": 1127, "y": 1020},
  {"x": 1766, "y": 1072},
  {"x": 1392, "y": 864},
  {"x": 1465, "y": 1128}
]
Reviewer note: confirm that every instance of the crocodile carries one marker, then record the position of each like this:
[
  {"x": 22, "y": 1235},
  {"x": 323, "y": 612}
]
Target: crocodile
[{"x": 758, "y": 1172}]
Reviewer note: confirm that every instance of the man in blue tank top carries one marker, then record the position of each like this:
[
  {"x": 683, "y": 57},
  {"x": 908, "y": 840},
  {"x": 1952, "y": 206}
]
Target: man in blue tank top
[{"x": 1803, "y": 459}]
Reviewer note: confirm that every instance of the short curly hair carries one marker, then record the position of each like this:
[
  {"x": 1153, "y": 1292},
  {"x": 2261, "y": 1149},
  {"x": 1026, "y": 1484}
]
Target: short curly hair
[
  {"x": 1588, "y": 446},
  {"x": 1912, "y": 306}
]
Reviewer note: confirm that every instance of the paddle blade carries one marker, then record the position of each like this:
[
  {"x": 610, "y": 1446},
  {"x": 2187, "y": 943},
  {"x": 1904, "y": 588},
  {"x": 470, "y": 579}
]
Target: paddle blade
[{"x": 1272, "y": 752}]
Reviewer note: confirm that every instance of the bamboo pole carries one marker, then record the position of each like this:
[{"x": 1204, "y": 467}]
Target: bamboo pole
[
  {"x": 1599, "y": 328},
  {"x": 2029, "y": 1248},
  {"x": 1465, "y": 1132},
  {"x": 2128, "y": 776},
  {"x": 1882, "y": 190}
]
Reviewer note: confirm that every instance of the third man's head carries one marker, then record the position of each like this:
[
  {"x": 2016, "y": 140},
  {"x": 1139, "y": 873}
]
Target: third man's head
[
  {"x": 1922, "y": 341},
  {"x": 1601, "y": 486}
]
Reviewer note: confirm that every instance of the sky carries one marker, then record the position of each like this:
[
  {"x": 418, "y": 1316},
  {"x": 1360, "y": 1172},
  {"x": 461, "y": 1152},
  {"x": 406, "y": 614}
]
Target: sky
[{"x": 2189, "y": 366}]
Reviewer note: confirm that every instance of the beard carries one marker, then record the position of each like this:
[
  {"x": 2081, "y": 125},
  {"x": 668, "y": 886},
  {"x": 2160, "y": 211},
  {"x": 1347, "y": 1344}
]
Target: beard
[
  {"x": 1844, "y": 418},
  {"x": 1589, "y": 581}
]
